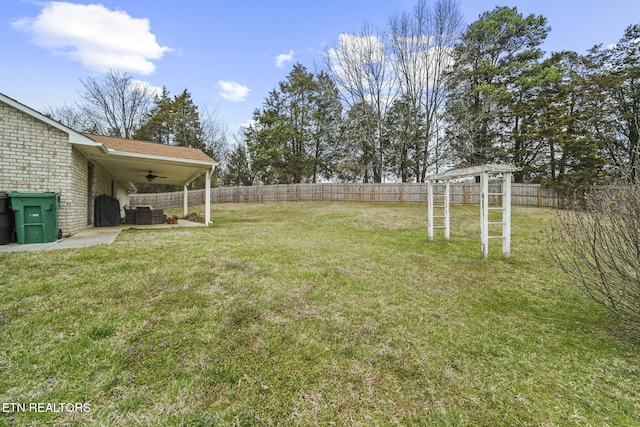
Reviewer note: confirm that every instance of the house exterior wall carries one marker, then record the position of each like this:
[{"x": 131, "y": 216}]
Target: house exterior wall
[
  {"x": 104, "y": 183},
  {"x": 37, "y": 157}
]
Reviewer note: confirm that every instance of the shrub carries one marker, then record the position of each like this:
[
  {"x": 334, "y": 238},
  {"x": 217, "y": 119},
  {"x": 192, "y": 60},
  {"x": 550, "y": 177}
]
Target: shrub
[{"x": 597, "y": 245}]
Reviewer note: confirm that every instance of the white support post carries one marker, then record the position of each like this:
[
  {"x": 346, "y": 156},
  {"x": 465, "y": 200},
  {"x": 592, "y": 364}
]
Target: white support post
[
  {"x": 207, "y": 198},
  {"x": 446, "y": 211},
  {"x": 185, "y": 205},
  {"x": 484, "y": 214},
  {"x": 430, "y": 209},
  {"x": 506, "y": 215}
]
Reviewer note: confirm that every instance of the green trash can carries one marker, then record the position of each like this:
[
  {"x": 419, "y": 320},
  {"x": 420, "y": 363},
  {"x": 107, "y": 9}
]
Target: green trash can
[{"x": 36, "y": 216}]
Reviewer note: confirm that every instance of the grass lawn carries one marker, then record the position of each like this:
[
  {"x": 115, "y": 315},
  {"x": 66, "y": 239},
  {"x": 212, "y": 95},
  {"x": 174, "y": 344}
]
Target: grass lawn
[{"x": 310, "y": 314}]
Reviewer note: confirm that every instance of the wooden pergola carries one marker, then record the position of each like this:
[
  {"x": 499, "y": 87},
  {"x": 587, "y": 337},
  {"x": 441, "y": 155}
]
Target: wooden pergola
[{"x": 501, "y": 173}]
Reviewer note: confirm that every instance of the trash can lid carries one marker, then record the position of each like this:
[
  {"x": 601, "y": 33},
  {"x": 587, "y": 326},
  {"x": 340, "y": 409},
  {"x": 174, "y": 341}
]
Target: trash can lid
[{"x": 37, "y": 194}]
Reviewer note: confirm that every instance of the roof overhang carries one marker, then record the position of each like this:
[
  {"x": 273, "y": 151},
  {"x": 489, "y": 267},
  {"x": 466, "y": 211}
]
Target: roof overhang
[
  {"x": 133, "y": 167},
  {"x": 134, "y": 161}
]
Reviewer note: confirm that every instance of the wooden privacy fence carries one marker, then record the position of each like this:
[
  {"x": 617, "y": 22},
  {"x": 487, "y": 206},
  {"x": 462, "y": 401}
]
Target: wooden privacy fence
[{"x": 463, "y": 193}]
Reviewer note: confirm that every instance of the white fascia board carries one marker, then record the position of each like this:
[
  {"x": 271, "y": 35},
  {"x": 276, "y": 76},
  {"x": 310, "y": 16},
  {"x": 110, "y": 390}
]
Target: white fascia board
[{"x": 161, "y": 158}]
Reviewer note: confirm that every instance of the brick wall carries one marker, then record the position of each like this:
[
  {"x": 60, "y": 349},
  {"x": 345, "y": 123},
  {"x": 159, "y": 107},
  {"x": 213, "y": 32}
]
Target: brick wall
[{"x": 37, "y": 157}]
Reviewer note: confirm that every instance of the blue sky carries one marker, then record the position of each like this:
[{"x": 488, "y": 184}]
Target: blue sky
[{"x": 229, "y": 54}]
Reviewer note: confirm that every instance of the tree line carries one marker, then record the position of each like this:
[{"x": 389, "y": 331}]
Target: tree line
[
  {"x": 422, "y": 95},
  {"x": 427, "y": 94}
]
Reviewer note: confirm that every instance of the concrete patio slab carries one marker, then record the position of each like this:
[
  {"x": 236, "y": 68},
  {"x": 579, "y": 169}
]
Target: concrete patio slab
[{"x": 90, "y": 237}]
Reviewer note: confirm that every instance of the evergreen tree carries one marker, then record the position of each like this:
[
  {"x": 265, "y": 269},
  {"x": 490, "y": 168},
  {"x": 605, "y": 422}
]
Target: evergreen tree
[
  {"x": 157, "y": 126},
  {"x": 358, "y": 153},
  {"x": 186, "y": 126},
  {"x": 530, "y": 122},
  {"x": 238, "y": 169},
  {"x": 404, "y": 139},
  {"x": 488, "y": 76},
  {"x": 621, "y": 81},
  {"x": 327, "y": 119},
  {"x": 290, "y": 133},
  {"x": 173, "y": 122},
  {"x": 566, "y": 111}
]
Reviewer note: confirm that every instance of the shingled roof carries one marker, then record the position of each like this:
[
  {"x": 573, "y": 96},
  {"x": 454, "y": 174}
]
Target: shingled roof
[{"x": 150, "y": 148}]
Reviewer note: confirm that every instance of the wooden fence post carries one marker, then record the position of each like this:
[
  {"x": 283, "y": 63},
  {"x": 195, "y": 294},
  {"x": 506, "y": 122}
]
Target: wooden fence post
[
  {"x": 539, "y": 195},
  {"x": 464, "y": 194}
]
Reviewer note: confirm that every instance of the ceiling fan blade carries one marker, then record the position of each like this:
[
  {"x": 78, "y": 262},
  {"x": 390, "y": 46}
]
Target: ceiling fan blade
[{"x": 151, "y": 176}]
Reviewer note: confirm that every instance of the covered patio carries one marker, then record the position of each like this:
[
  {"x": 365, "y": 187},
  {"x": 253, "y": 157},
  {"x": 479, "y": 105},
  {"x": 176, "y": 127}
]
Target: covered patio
[{"x": 135, "y": 161}]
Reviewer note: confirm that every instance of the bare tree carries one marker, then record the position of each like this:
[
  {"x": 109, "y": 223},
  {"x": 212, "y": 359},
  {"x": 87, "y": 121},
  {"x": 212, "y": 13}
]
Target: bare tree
[
  {"x": 422, "y": 45},
  {"x": 360, "y": 66},
  {"x": 71, "y": 116},
  {"x": 215, "y": 134},
  {"x": 597, "y": 245},
  {"x": 116, "y": 104}
]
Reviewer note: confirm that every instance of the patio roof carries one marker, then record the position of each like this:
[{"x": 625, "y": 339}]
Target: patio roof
[{"x": 131, "y": 160}]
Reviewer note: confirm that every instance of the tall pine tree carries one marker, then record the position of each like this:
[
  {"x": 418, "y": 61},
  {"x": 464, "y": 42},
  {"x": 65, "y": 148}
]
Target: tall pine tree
[{"x": 487, "y": 79}]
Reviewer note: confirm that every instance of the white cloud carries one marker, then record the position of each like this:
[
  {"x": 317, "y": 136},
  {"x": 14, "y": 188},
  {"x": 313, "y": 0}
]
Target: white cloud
[
  {"x": 95, "y": 36},
  {"x": 153, "y": 90},
  {"x": 233, "y": 91},
  {"x": 248, "y": 124},
  {"x": 283, "y": 58}
]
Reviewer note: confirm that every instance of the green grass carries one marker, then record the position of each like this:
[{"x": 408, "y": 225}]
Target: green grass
[{"x": 311, "y": 314}]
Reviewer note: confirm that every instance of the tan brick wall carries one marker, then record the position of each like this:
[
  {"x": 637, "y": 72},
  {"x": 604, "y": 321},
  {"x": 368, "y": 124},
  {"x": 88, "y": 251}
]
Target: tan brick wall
[
  {"x": 37, "y": 157},
  {"x": 102, "y": 184}
]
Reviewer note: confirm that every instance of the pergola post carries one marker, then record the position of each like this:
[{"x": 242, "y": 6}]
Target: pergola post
[
  {"x": 484, "y": 214},
  {"x": 207, "y": 197},
  {"x": 430, "y": 209},
  {"x": 446, "y": 210},
  {"x": 185, "y": 202},
  {"x": 506, "y": 215}
]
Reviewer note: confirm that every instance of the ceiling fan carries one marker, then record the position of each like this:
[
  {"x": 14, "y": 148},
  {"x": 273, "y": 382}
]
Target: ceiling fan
[{"x": 151, "y": 176}]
